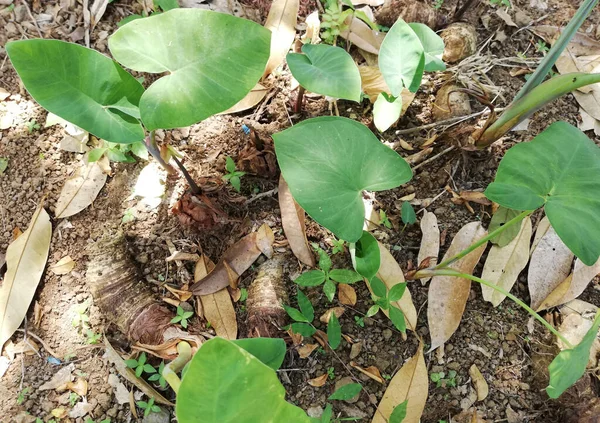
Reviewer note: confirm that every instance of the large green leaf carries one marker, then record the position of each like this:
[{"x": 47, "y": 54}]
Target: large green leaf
[
  {"x": 226, "y": 384},
  {"x": 81, "y": 86},
  {"x": 328, "y": 162},
  {"x": 558, "y": 169},
  {"x": 270, "y": 351},
  {"x": 433, "y": 46},
  {"x": 401, "y": 59},
  {"x": 326, "y": 70},
  {"x": 212, "y": 61},
  {"x": 366, "y": 255}
]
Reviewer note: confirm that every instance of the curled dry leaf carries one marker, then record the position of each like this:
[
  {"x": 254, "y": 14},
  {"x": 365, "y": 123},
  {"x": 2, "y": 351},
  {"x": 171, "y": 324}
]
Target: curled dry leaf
[
  {"x": 430, "y": 243},
  {"x": 292, "y": 220},
  {"x": 306, "y": 350},
  {"x": 448, "y": 295},
  {"x": 318, "y": 381},
  {"x": 25, "y": 260},
  {"x": 504, "y": 264},
  {"x": 346, "y": 294},
  {"x": 479, "y": 383},
  {"x": 362, "y": 36},
  {"x": 338, "y": 311},
  {"x": 252, "y": 99},
  {"x": 391, "y": 274},
  {"x": 281, "y": 21},
  {"x": 313, "y": 27},
  {"x": 63, "y": 266},
  {"x": 80, "y": 386},
  {"x": 80, "y": 190},
  {"x": 371, "y": 371},
  {"x": 238, "y": 258},
  {"x": 409, "y": 384},
  {"x": 550, "y": 265}
]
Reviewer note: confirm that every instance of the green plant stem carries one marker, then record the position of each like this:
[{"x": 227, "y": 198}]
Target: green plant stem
[
  {"x": 152, "y": 147},
  {"x": 193, "y": 186},
  {"x": 170, "y": 371},
  {"x": 483, "y": 240},
  {"x": 449, "y": 272}
]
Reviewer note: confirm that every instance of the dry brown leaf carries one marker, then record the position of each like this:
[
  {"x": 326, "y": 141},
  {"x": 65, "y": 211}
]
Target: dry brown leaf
[
  {"x": 292, "y": 220},
  {"x": 391, "y": 274},
  {"x": 60, "y": 379},
  {"x": 540, "y": 231},
  {"x": 252, "y": 99},
  {"x": 550, "y": 264},
  {"x": 129, "y": 374},
  {"x": 410, "y": 383},
  {"x": 97, "y": 11},
  {"x": 503, "y": 265},
  {"x": 296, "y": 337},
  {"x": 448, "y": 295},
  {"x": 313, "y": 28},
  {"x": 479, "y": 383},
  {"x": 25, "y": 260},
  {"x": 219, "y": 311},
  {"x": 430, "y": 243},
  {"x": 322, "y": 338},
  {"x": 373, "y": 84},
  {"x": 306, "y": 350},
  {"x": 346, "y": 294},
  {"x": 80, "y": 190},
  {"x": 362, "y": 36},
  {"x": 573, "y": 286},
  {"x": 239, "y": 257},
  {"x": 38, "y": 313},
  {"x": 281, "y": 21},
  {"x": 63, "y": 266},
  {"x": 503, "y": 14},
  {"x": 318, "y": 381},
  {"x": 80, "y": 387},
  {"x": 338, "y": 311},
  {"x": 371, "y": 371},
  {"x": 181, "y": 294}
]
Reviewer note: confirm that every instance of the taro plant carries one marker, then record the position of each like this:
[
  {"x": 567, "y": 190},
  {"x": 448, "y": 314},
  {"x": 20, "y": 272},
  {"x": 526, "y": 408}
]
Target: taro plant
[{"x": 199, "y": 75}]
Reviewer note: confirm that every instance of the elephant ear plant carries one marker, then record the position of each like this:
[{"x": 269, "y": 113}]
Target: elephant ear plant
[{"x": 201, "y": 75}]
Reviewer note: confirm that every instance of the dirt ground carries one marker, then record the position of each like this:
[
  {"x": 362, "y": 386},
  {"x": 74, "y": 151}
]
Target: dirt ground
[{"x": 496, "y": 340}]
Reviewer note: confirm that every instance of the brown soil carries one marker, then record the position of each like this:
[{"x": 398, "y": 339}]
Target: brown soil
[{"x": 496, "y": 340}]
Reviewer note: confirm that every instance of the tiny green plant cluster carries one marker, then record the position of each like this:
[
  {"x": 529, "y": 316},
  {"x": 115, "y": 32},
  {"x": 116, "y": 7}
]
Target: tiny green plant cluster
[
  {"x": 384, "y": 299},
  {"x": 233, "y": 175},
  {"x": 182, "y": 317}
]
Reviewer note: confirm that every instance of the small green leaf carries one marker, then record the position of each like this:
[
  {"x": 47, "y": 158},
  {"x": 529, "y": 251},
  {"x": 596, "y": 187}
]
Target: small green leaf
[
  {"x": 327, "y": 414},
  {"x": 433, "y": 46},
  {"x": 373, "y": 310},
  {"x": 345, "y": 276},
  {"x": 3, "y": 164},
  {"x": 184, "y": 323},
  {"x": 346, "y": 392},
  {"x": 408, "y": 214},
  {"x": 569, "y": 365},
  {"x": 303, "y": 329},
  {"x": 155, "y": 408},
  {"x": 176, "y": 319},
  {"x": 334, "y": 331},
  {"x": 96, "y": 154},
  {"x": 324, "y": 259},
  {"x": 326, "y": 70},
  {"x": 142, "y": 404},
  {"x": 116, "y": 155},
  {"x": 154, "y": 377},
  {"x": 311, "y": 278},
  {"x": 131, "y": 363},
  {"x": 329, "y": 289},
  {"x": 295, "y": 314},
  {"x": 367, "y": 256},
  {"x": 305, "y": 306},
  {"x": 499, "y": 218},
  {"x": 271, "y": 351},
  {"x": 385, "y": 113},
  {"x": 139, "y": 370},
  {"x": 188, "y": 314},
  {"x": 397, "y": 318},
  {"x": 142, "y": 359},
  {"x": 399, "y": 413},
  {"x": 236, "y": 183},
  {"x": 128, "y": 19},
  {"x": 229, "y": 165},
  {"x": 166, "y": 5},
  {"x": 378, "y": 287},
  {"x": 397, "y": 291},
  {"x": 149, "y": 369},
  {"x": 140, "y": 150}
]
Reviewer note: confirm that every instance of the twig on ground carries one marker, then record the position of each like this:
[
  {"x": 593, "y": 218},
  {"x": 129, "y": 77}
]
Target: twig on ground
[
  {"x": 41, "y": 341},
  {"x": 437, "y": 156},
  {"x": 261, "y": 195},
  {"x": 452, "y": 121},
  {"x": 32, "y": 18}
]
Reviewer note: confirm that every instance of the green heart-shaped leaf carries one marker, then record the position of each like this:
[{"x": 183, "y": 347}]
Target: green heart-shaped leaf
[
  {"x": 271, "y": 351},
  {"x": 433, "y": 46},
  {"x": 81, "y": 86},
  {"x": 401, "y": 59},
  {"x": 212, "y": 61},
  {"x": 558, "y": 169},
  {"x": 326, "y": 70},
  {"x": 222, "y": 385},
  {"x": 328, "y": 162}
]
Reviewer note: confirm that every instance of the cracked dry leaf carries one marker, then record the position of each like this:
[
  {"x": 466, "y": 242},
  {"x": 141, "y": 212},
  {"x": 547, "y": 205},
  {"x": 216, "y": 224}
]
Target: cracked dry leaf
[
  {"x": 430, "y": 242},
  {"x": 281, "y": 21},
  {"x": 479, "y": 383},
  {"x": 371, "y": 371},
  {"x": 346, "y": 294},
  {"x": 306, "y": 350},
  {"x": 25, "y": 262},
  {"x": 448, "y": 295},
  {"x": 80, "y": 190},
  {"x": 503, "y": 264},
  {"x": 409, "y": 384},
  {"x": 338, "y": 311},
  {"x": 292, "y": 220}
]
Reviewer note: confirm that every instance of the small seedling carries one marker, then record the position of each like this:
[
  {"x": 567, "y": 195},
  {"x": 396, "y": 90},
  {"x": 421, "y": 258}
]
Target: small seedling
[
  {"x": 360, "y": 321},
  {"x": 331, "y": 373},
  {"x": 81, "y": 318},
  {"x": 32, "y": 125},
  {"x": 158, "y": 377},
  {"x": 441, "y": 380},
  {"x": 326, "y": 276},
  {"x": 437, "y": 4},
  {"x": 385, "y": 221},
  {"x": 182, "y": 317},
  {"x": 408, "y": 214},
  {"x": 233, "y": 176},
  {"x": 23, "y": 395},
  {"x": 383, "y": 299},
  {"x": 73, "y": 398},
  {"x": 542, "y": 47},
  {"x": 148, "y": 407},
  {"x": 92, "y": 338},
  {"x": 333, "y": 22},
  {"x": 128, "y": 216},
  {"x": 3, "y": 164},
  {"x": 140, "y": 365},
  {"x": 505, "y": 3},
  {"x": 338, "y": 246},
  {"x": 303, "y": 318}
]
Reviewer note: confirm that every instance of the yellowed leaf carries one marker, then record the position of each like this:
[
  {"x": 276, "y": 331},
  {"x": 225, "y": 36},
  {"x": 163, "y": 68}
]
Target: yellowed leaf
[
  {"x": 292, "y": 220},
  {"x": 371, "y": 371},
  {"x": 550, "y": 265},
  {"x": 318, "y": 381},
  {"x": 346, "y": 294},
  {"x": 448, "y": 295},
  {"x": 503, "y": 264},
  {"x": 306, "y": 350},
  {"x": 252, "y": 99},
  {"x": 63, "y": 266},
  {"x": 281, "y": 21},
  {"x": 313, "y": 27},
  {"x": 25, "y": 260},
  {"x": 430, "y": 243},
  {"x": 219, "y": 311},
  {"x": 338, "y": 311},
  {"x": 373, "y": 84},
  {"x": 479, "y": 383},
  {"x": 391, "y": 274},
  {"x": 80, "y": 386},
  {"x": 80, "y": 190},
  {"x": 410, "y": 383},
  {"x": 361, "y": 35}
]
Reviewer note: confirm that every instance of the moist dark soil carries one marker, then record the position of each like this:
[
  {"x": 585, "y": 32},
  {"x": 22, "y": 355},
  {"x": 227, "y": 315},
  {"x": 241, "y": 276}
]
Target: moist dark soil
[{"x": 511, "y": 358}]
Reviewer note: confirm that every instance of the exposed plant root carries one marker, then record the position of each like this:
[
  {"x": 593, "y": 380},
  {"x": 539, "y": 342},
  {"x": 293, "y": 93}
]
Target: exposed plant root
[
  {"x": 122, "y": 297},
  {"x": 266, "y": 294}
]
